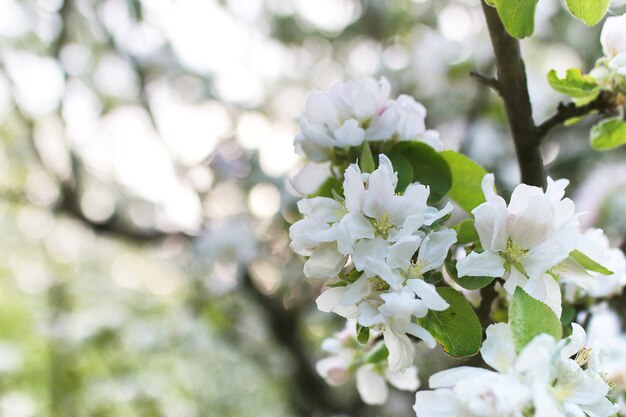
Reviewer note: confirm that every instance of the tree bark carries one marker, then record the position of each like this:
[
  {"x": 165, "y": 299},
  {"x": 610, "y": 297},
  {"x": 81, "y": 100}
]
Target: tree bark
[{"x": 513, "y": 87}]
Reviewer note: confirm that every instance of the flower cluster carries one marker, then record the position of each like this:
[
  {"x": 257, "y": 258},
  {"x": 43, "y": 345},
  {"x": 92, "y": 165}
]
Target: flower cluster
[
  {"x": 531, "y": 241},
  {"x": 366, "y": 361},
  {"x": 547, "y": 378},
  {"x": 380, "y": 244},
  {"x": 357, "y": 111}
]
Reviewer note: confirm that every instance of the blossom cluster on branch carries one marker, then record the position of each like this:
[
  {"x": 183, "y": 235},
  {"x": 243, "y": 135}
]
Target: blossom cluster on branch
[{"x": 378, "y": 228}]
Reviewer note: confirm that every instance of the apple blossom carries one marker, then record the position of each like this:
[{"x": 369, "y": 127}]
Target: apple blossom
[
  {"x": 613, "y": 36},
  {"x": 527, "y": 242},
  {"x": 547, "y": 378},
  {"x": 357, "y": 111},
  {"x": 349, "y": 358}
]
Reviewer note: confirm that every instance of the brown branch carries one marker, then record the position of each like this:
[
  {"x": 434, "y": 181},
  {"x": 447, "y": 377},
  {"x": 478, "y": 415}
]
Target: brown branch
[
  {"x": 566, "y": 111},
  {"x": 490, "y": 82},
  {"x": 511, "y": 75},
  {"x": 309, "y": 393}
]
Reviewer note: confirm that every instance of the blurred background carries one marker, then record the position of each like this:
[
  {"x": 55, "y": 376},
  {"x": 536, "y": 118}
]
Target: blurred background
[{"x": 145, "y": 152}]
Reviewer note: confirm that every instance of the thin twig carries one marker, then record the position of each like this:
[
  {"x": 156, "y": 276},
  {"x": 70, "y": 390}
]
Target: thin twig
[
  {"x": 567, "y": 111},
  {"x": 490, "y": 82}
]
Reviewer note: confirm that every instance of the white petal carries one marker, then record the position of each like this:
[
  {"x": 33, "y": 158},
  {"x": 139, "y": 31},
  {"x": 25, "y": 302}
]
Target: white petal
[
  {"x": 355, "y": 292},
  {"x": 551, "y": 251},
  {"x": 545, "y": 289},
  {"x": 434, "y": 248},
  {"x": 405, "y": 381},
  {"x": 421, "y": 333},
  {"x": 428, "y": 294},
  {"x": 334, "y": 370},
  {"x": 353, "y": 189},
  {"x": 486, "y": 264},
  {"x": 401, "y": 252},
  {"x": 381, "y": 191},
  {"x": 350, "y": 134},
  {"x": 325, "y": 262},
  {"x": 400, "y": 349},
  {"x": 575, "y": 342},
  {"x": 440, "y": 403},
  {"x": 602, "y": 408},
  {"x": 311, "y": 177},
  {"x": 498, "y": 349},
  {"x": 371, "y": 386},
  {"x": 329, "y": 299},
  {"x": 534, "y": 224},
  {"x": 451, "y": 377},
  {"x": 521, "y": 196}
]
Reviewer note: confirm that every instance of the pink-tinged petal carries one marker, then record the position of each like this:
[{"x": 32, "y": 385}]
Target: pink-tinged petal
[{"x": 334, "y": 370}]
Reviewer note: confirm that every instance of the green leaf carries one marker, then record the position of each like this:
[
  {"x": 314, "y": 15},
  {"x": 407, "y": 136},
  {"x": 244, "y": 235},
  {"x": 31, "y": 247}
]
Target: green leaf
[
  {"x": 433, "y": 277},
  {"x": 366, "y": 160},
  {"x": 378, "y": 353},
  {"x": 467, "y": 176},
  {"x": 529, "y": 318},
  {"x": 589, "y": 11},
  {"x": 404, "y": 170},
  {"x": 588, "y": 263},
  {"x": 518, "y": 16},
  {"x": 469, "y": 283},
  {"x": 329, "y": 188},
  {"x": 362, "y": 334},
  {"x": 575, "y": 84},
  {"x": 429, "y": 167},
  {"x": 608, "y": 134},
  {"x": 456, "y": 329},
  {"x": 466, "y": 232}
]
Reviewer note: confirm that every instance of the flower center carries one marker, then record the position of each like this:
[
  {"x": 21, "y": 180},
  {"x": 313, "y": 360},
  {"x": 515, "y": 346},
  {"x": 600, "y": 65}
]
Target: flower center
[
  {"x": 513, "y": 252},
  {"x": 383, "y": 225},
  {"x": 583, "y": 356},
  {"x": 416, "y": 267},
  {"x": 378, "y": 284}
]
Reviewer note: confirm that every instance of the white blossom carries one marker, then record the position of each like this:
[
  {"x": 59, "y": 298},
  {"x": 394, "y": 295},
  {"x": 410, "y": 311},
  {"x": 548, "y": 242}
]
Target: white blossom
[
  {"x": 372, "y": 379},
  {"x": 606, "y": 326},
  {"x": 523, "y": 240},
  {"x": 579, "y": 282},
  {"x": 613, "y": 36},
  {"x": 548, "y": 378},
  {"x": 391, "y": 244},
  {"x": 357, "y": 111}
]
